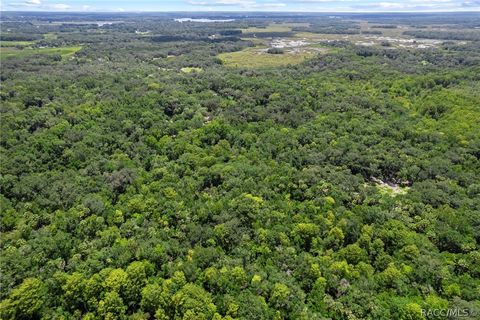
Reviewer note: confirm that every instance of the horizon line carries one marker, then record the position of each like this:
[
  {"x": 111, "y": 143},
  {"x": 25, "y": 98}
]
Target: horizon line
[{"x": 241, "y": 11}]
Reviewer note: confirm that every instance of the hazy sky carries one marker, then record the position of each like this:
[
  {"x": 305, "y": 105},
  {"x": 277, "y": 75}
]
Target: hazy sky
[{"x": 241, "y": 5}]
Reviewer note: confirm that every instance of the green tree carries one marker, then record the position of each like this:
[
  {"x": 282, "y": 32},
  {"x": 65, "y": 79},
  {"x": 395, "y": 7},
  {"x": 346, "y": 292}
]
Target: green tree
[
  {"x": 193, "y": 302},
  {"x": 137, "y": 276},
  {"x": 111, "y": 307},
  {"x": 26, "y": 301}
]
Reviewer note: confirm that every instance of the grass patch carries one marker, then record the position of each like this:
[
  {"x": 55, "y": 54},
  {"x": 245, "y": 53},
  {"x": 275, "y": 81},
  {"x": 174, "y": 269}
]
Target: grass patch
[
  {"x": 275, "y": 27},
  {"x": 323, "y": 36},
  {"x": 13, "y": 52},
  {"x": 50, "y": 36},
  {"x": 269, "y": 28},
  {"x": 256, "y": 41},
  {"x": 191, "y": 69},
  {"x": 392, "y": 190},
  {"x": 8, "y": 44},
  {"x": 259, "y": 58}
]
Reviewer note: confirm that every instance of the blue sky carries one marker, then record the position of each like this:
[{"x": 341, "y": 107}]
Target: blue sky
[{"x": 242, "y": 5}]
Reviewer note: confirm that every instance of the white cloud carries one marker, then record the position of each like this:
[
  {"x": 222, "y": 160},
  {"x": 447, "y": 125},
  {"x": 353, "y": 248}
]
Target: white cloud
[
  {"x": 472, "y": 3},
  {"x": 244, "y": 4},
  {"x": 412, "y": 6},
  {"x": 28, "y": 3},
  {"x": 322, "y": 1},
  {"x": 39, "y": 5},
  {"x": 265, "y": 5},
  {"x": 222, "y": 3},
  {"x": 268, "y": 5},
  {"x": 392, "y": 5},
  {"x": 60, "y": 6}
]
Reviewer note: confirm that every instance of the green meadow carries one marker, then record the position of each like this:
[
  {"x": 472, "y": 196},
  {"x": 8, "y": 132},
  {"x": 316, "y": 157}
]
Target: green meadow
[
  {"x": 8, "y": 52},
  {"x": 256, "y": 58}
]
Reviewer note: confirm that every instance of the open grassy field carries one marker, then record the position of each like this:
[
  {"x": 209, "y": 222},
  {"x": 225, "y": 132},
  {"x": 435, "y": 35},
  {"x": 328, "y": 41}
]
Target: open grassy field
[
  {"x": 275, "y": 27},
  {"x": 13, "y": 52},
  {"x": 257, "y": 41},
  {"x": 50, "y": 36},
  {"x": 7, "y": 44},
  {"x": 258, "y": 58}
]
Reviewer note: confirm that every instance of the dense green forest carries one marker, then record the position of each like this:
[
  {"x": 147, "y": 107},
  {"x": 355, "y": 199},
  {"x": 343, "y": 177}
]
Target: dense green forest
[{"x": 267, "y": 167}]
